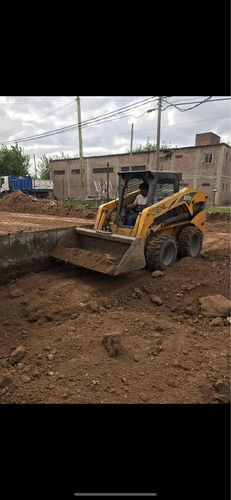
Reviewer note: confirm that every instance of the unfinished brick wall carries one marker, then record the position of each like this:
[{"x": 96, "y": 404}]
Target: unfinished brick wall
[
  {"x": 208, "y": 138},
  {"x": 204, "y": 167}
]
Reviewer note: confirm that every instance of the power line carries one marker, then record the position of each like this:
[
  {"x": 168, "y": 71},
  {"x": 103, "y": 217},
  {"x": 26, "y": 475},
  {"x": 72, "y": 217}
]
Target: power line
[
  {"x": 112, "y": 116},
  {"x": 126, "y": 108},
  {"x": 85, "y": 123},
  {"x": 148, "y": 129},
  {"x": 95, "y": 120},
  {"x": 175, "y": 105},
  {"x": 42, "y": 118}
]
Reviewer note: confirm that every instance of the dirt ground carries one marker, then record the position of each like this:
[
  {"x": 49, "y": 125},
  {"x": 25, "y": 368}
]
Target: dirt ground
[
  {"x": 17, "y": 222},
  {"x": 18, "y": 202},
  {"x": 20, "y": 212},
  {"x": 71, "y": 336}
]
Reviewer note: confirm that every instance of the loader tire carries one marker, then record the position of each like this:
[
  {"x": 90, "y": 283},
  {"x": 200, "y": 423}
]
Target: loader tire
[
  {"x": 161, "y": 252},
  {"x": 190, "y": 242}
]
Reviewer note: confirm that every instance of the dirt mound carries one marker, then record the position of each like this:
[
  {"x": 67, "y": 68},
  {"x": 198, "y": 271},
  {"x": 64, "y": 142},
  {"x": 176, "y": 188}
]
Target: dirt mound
[
  {"x": 88, "y": 259},
  {"x": 22, "y": 203},
  {"x": 15, "y": 200},
  {"x": 210, "y": 216},
  {"x": 55, "y": 324}
]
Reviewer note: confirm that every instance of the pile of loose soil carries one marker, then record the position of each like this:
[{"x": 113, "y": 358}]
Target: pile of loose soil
[
  {"x": 85, "y": 258},
  {"x": 22, "y": 203},
  {"x": 218, "y": 216},
  {"x": 70, "y": 336}
]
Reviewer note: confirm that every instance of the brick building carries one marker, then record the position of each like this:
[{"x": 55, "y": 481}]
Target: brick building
[{"x": 205, "y": 166}]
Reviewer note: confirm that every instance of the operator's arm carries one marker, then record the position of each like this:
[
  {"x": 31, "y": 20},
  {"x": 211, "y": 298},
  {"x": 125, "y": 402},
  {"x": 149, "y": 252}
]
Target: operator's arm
[{"x": 133, "y": 205}]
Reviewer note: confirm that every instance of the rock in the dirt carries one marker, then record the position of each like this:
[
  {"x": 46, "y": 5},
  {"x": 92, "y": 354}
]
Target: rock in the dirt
[
  {"x": 16, "y": 355},
  {"x": 34, "y": 316},
  {"x": 49, "y": 317},
  {"x": 138, "y": 292},
  {"x": 17, "y": 292},
  {"x": 214, "y": 306},
  {"x": 205, "y": 255},
  {"x": 222, "y": 387},
  {"x": 188, "y": 301},
  {"x": 217, "y": 322},
  {"x": 94, "y": 307},
  {"x": 189, "y": 310},
  {"x": 6, "y": 382},
  {"x": 112, "y": 342},
  {"x": 156, "y": 300},
  {"x": 184, "y": 287},
  {"x": 159, "y": 328},
  {"x": 25, "y": 379},
  {"x": 143, "y": 396},
  {"x": 155, "y": 274}
]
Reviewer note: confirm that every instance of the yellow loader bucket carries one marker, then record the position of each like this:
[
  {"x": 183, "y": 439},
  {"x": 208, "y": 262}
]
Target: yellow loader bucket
[{"x": 100, "y": 251}]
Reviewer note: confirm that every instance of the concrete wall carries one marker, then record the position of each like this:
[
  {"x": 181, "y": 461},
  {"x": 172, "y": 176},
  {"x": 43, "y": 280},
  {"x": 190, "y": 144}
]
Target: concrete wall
[{"x": 27, "y": 251}]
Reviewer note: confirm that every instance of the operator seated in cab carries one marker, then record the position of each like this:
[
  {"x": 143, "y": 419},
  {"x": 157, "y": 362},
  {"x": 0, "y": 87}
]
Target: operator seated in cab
[{"x": 138, "y": 205}]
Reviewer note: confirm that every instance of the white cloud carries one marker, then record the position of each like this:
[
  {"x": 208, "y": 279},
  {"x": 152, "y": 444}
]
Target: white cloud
[
  {"x": 171, "y": 117},
  {"x": 23, "y": 116}
]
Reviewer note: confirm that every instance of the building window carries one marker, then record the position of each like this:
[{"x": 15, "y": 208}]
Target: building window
[
  {"x": 208, "y": 158},
  {"x": 206, "y": 184},
  {"x": 179, "y": 156},
  {"x": 102, "y": 170},
  {"x": 76, "y": 171},
  {"x": 134, "y": 168},
  {"x": 59, "y": 172},
  {"x": 140, "y": 167}
]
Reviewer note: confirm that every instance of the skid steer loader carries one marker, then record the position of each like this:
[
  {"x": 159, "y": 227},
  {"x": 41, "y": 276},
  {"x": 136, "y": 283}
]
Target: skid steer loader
[{"x": 172, "y": 225}]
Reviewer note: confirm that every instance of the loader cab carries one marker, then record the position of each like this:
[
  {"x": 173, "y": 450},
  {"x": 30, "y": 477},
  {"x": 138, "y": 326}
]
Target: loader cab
[{"x": 161, "y": 184}]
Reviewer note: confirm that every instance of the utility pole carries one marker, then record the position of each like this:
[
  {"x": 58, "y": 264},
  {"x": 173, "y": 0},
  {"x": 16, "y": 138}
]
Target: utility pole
[
  {"x": 158, "y": 135},
  {"x": 80, "y": 145},
  {"x": 35, "y": 167},
  {"x": 130, "y": 159},
  {"x": 108, "y": 181}
]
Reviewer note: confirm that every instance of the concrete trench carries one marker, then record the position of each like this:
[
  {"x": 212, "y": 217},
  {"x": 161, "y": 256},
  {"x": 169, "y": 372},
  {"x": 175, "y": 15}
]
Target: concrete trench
[{"x": 27, "y": 251}]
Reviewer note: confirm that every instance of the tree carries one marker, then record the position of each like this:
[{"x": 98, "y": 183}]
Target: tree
[
  {"x": 60, "y": 156},
  {"x": 13, "y": 161},
  {"x": 149, "y": 146},
  {"x": 44, "y": 167},
  {"x": 44, "y": 164}
]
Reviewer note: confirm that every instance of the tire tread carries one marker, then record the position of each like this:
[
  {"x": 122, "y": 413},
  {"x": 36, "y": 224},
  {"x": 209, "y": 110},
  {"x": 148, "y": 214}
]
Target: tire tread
[{"x": 153, "y": 261}]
